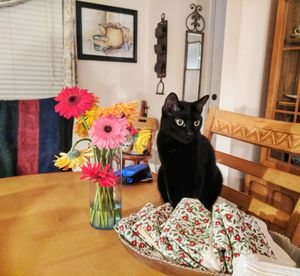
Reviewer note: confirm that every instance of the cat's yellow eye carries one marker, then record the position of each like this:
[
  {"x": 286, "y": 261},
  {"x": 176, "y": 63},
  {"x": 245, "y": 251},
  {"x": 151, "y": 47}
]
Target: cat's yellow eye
[
  {"x": 179, "y": 122},
  {"x": 197, "y": 123}
]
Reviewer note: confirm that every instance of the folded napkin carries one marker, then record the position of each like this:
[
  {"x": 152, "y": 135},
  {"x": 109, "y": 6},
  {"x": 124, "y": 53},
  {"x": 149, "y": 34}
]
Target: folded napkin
[
  {"x": 235, "y": 233},
  {"x": 146, "y": 221},
  {"x": 252, "y": 266},
  {"x": 150, "y": 226},
  {"x": 186, "y": 234},
  {"x": 192, "y": 236},
  {"x": 126, "y": 230}
]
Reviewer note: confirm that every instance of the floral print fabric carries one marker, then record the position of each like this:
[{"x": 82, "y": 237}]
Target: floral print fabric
[
  {"x": 125, "y": 229},
  {"x": 192, "y": 236},
  {"x": 150, "y": 218},
  {"x": 235, "y": 233},
  {"x": 186, "y": 234}
]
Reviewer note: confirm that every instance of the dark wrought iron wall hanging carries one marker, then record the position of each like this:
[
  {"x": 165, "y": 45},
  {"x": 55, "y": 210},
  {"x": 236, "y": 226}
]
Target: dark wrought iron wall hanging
[
  {"x": 160, "y": 48},
  {"x": 194, "y": 21}
]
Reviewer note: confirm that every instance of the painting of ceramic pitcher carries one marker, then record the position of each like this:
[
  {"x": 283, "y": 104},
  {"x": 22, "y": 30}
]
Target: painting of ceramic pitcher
[
  {"x": 106, "y": 33},
  {"x": 112, "y": 36}
]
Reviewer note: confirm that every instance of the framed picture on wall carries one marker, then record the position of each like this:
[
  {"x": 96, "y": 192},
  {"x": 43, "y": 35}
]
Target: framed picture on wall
[{"x": 106, "y": 33}]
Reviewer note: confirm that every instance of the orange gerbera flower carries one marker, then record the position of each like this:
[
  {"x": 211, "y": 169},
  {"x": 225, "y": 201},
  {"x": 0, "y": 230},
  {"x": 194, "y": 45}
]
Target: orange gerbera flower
[{"x": 119, "y": 110}]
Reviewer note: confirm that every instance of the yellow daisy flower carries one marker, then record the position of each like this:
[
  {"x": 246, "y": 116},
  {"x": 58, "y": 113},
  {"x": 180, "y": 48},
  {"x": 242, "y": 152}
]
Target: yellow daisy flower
[
  {"x": 142, "y": 141},
  {"x": 72, "y": 159},
  {"x": 89, "y": 118},
  {"x": 80, "y": 129},
  {"x": 128, "y": 110},
  {"x": 90, "y": 115}
]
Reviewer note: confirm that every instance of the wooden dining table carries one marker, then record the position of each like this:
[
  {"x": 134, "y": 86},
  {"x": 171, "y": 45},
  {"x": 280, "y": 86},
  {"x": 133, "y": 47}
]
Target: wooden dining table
[{"x": 45, "y": 230}]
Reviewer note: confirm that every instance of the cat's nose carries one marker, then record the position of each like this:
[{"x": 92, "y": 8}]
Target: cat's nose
[{"x": 190, "y": 134}]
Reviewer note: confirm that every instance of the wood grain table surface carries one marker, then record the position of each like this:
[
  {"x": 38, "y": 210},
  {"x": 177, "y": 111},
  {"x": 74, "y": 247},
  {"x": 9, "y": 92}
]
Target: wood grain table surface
[{"x": 45, "y": 230}]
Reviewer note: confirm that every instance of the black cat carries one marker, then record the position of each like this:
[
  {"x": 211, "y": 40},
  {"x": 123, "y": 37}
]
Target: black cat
[{"x": 188, "y": 166}]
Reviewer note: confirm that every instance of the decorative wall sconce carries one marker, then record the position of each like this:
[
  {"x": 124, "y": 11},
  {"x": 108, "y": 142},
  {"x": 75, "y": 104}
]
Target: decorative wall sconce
[
  {"x": 195, "y": 22},
  {"x": 160, "y": 49}
]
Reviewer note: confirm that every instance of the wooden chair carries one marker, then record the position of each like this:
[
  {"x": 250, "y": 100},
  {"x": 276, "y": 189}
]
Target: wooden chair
[
  {"x": 266, "y": 133},
  {"x": 142, "y": 123}
]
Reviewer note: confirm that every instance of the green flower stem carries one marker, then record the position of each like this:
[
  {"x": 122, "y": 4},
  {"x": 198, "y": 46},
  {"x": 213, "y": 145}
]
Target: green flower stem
[
  {"x": 103, "y": 208},
  {"x": 105, "y": 212},
  {"x": 95, "y": 151},
  {"x": 84, "y": 122},
  {"x": 103, "y": 159},
  {"x": 80, "y": 140},
  {"x": 110, "y": 197},
  {"x": 94, "y": 208},
  {"x": 100, "y": 209}
]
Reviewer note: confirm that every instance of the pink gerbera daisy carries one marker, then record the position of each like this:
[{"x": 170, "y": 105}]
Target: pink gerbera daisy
[
  {"x": 109, "y": 132},
  {"x": 74, "y": 101},
  {"x": 103, "y": 176}
]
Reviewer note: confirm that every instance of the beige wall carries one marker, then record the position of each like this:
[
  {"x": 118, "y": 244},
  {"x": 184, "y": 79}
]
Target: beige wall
[
  {"x": 117, "y": 81},
  {"x": 176, "y": 12}
]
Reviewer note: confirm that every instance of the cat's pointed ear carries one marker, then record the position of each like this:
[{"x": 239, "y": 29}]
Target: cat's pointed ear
[
  {"x": 201, "y": 102},
  {"x": 171, "y": 103}
]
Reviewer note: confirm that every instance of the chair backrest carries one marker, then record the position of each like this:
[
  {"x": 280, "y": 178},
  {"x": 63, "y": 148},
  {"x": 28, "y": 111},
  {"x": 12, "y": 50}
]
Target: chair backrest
[
  {"x": 31, "y": 134},
  {"x": 147, "y": 123},
  {"x": 270, "y": 134}
]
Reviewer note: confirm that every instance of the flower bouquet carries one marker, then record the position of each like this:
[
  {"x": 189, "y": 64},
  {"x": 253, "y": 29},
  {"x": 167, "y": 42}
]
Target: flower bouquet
[{"x": 104, "y": 130}]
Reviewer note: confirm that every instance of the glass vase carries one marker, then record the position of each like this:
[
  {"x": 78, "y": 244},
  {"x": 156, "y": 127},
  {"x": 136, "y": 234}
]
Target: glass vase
[{"x": 106, "y": 201}]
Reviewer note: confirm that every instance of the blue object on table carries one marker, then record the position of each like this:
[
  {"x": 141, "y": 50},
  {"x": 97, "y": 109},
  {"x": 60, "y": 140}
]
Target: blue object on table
[{"x": 136, "y": 173}]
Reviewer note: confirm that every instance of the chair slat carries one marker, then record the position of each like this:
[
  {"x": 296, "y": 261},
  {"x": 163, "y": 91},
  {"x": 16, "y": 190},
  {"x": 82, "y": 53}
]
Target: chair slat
[
  {"x": 277, "y": 177},
  {"x": 272, "y": 134},
  {"x": 257, "y": 207},
  {"x": 294, "y": 221}
]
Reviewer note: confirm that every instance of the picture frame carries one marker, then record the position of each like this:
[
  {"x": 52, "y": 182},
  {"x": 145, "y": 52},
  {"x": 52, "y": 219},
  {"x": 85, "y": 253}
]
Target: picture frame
[{"x": 106, "y": 33}]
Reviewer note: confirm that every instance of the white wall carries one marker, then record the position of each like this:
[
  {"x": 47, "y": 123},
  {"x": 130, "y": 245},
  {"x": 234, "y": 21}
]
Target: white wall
[
  {"x": 176, "y": 12},
  {"x": 116, "y": 81},
  {"x": 247, "y": 51}
]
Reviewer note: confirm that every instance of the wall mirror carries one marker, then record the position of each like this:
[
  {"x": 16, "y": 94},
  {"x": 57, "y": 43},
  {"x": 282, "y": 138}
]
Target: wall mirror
[{"x": 194, "y": 41}]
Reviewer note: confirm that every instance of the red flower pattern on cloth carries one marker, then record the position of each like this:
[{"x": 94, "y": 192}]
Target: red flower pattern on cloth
[
  {"x": 148, "y": 228},
  {"x": 237, "y": 237},
  {"x": 228, "y": 216}
]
